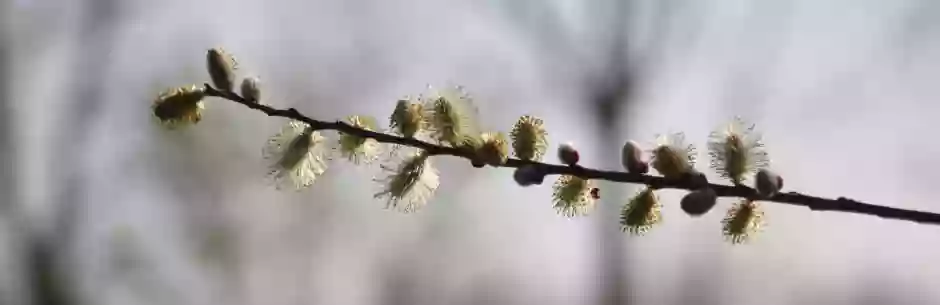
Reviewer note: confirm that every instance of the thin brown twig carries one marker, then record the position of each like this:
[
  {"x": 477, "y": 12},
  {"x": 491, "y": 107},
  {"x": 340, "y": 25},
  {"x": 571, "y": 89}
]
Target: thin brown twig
[{"x": 841, "y": 204}]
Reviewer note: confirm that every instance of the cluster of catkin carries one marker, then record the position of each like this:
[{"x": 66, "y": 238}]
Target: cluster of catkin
[{"x": 300, "y": 153}]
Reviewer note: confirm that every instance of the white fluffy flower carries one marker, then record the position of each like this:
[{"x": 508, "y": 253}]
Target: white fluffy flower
[
  {"x": 451, "y": 116},
  {"x": 299, "y": 156},
  {"x": 673, "y": 157},
  {"x": 179, "y": 106},
  {"x": 494, "y": 148},
  {"x": 358, "y": 149},
  {"x": 407, "y": 119},
  {"x": 737, "y": 150},
  {"x": 573, "y": 196},
  {"x": 641, "y": 213},
  {"x": 743, "y": 221},
  {"x": 409, "y": 180},
  {"x": 529, "y": 138}
]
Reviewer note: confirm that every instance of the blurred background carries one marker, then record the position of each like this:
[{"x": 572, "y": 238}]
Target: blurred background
[{"x": 100, "y": 206}]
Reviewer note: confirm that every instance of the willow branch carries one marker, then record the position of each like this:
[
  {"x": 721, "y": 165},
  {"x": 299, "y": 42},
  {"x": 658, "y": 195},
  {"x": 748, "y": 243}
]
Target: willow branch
[{"x": 840, "y": 204}]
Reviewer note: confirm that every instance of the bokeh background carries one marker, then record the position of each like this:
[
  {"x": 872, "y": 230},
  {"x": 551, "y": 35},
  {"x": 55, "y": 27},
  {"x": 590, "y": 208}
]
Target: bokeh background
[{"x": 102, "y": 207}]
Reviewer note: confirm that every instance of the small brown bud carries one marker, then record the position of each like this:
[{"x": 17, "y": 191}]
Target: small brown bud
[
  {"x": 631, "y": 157},
  {"x": 568, "y": 155},
  {"x": 698, "y": 202},
  {"x": 768, "y": 183},
  {"x": 527, "y": 175}
]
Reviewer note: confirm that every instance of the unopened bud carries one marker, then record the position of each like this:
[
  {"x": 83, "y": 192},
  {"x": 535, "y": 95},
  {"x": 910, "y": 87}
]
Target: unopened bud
[
  {"x": 527, "y": 175},
  {"x": 251, "y": 89},
  {"x": 698, "y": 202},
  {"x": 221, "y": 68},
  {"x": 631, "y": 157},
  {"x": 567, "y": 154},
  {"x": 768, "y": 183}
]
